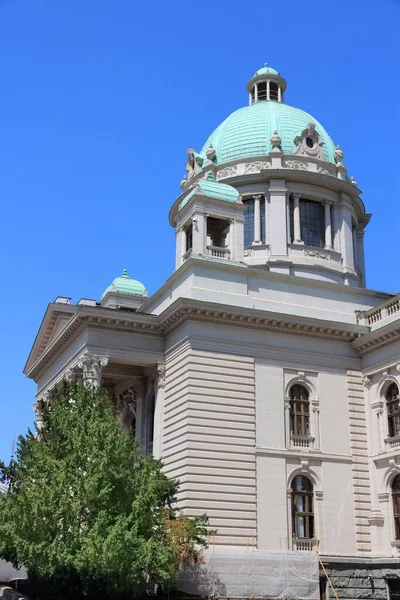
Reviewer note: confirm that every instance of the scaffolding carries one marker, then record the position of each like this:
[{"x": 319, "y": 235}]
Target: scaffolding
[{"x": 253, "y": 573}]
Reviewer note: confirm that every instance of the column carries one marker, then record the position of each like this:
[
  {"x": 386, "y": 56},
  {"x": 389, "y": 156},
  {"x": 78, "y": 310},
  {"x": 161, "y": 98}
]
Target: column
[
  {"x": 257, "y": 219},
  {"x": 296, "y": 219},
  {"x": 92, "y": 366},
  {"x": 255, "y": 93},
  {"x": 199, "y": 221},
  {"x": 360, "y": 252},
  {"x": 346, "y": 237},
  {"x": 287, "y": 421},
  {"x": 159, "y": 401},
  {"x": 279, "y": 94},
  {"x": 250, "y": 98},
  {"x": 180, "y": 246},
  {"x": 268, "y": 90},
  {"x": 328, "y": 225},
  {"x": 355, "y": 248},
  {"x": 277, "y": 228}
]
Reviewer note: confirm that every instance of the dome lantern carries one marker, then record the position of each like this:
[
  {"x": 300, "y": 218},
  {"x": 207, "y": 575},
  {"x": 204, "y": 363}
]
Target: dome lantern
[{"x": 266, "y": 84}]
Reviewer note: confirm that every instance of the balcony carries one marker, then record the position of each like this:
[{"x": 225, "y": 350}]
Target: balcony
[
  {"x": 218, "y": 252},
  {"x": 301, "y": 441},
  {"x": 304, "y": 544},
  {"x": 393, "y": 442},
  {"x": 382, "y": 314}
]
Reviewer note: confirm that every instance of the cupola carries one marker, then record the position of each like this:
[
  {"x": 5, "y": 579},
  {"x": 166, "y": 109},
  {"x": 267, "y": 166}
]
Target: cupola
[
  {"x": 124, "y": 292},
  {"x": 266, "y": 84}
]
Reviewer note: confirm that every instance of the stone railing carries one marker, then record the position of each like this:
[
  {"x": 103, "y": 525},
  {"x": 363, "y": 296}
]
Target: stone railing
[
  {"x": 304, "y": 544},
  {"x": 393, "y": 442},
  {"x": 301, "y": 441},
  {"x": 378, "y": 314},
  {"x": 218, "y": 252}
]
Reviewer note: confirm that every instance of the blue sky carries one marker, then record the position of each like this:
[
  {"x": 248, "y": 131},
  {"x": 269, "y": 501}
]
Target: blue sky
[{"x": 100, "y": 100}]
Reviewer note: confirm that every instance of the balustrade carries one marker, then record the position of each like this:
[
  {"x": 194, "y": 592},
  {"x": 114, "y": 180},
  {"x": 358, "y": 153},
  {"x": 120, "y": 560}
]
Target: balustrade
[{"x": 218, "y": 252}]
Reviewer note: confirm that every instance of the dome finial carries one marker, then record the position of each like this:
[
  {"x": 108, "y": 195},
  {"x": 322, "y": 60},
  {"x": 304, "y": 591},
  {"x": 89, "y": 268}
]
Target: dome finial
[{"x": 125, "y": 273}]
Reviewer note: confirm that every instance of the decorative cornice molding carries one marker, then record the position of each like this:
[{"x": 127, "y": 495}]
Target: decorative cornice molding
[{"x": 377, "y": 338}]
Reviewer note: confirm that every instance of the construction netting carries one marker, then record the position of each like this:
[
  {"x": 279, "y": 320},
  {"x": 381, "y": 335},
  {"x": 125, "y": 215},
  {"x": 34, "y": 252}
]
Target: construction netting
[{"x": 252, "y": 573}]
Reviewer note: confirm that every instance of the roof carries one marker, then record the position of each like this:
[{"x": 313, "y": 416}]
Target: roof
[
  {"x": 247, "y": 132},
  {"x": 126, "y": 285},
  {"x": 266, "y": 70},
  {"x": 212, "y": 189}
]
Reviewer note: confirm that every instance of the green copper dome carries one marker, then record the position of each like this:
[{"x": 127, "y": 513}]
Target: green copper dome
[
  {"x": 266, "y": 70},
  {"x": 247, "y": 132},
  {"x": 126, "y": 285},
  {"x": 212, "y": 189}
]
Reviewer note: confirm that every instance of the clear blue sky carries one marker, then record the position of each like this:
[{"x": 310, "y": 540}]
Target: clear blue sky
[{"x": 100, "y": 100}]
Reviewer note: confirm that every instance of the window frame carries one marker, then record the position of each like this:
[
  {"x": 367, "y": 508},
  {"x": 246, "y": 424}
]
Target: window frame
[
  {"x": 299, "y": 412},
  {"x": 308, "y": 514},
  {"x": 393, "y": 411}
]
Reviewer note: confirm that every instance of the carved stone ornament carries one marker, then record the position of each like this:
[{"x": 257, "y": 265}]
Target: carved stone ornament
[
  {"x": 210, "y": 152},
  {"x": 160, "y": 375},
  {"x": 304, "y": 466},
  {"x": 325, "y": 170},
  {"x": 316, "y": 253},
  {"x": 227, "y": 172},
  {"x": 184, "y": 182},
  {"x": 366, "y": 382},
  {"x": 276, "y": 140},
  {"x": 309, "y": 143},
  {"x": 298, "y": 165},
  {"x": 126, "y": 407},
  {"x": 256, "y": 167},
  {"x": 192, "y": 166},
  {"x": 339, "y": 155},
  {"x": 70, "y": 376},
  {"x": 92, "y": 366},
  {"x": 353, "y": 181}
]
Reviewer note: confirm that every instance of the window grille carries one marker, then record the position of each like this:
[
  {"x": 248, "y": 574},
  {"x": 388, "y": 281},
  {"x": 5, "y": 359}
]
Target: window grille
[{"x": 299, "y": 411}]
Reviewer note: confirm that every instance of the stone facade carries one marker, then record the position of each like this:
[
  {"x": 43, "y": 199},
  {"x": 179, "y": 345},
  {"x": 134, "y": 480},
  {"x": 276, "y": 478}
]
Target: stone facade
[{"x": 268, "y": 296}]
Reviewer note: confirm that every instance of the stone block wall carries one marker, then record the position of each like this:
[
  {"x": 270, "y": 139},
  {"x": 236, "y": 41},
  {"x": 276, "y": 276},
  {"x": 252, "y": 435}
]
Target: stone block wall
[{"x": 361, "y": 582}]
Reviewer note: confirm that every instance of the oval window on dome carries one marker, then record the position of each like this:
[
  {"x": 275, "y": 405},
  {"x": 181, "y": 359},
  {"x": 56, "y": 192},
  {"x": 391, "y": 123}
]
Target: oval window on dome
[{"x": 310, "y": 142}]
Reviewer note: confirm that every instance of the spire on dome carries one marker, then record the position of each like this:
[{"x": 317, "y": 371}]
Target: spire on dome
[{"x": 266, "y": 84}]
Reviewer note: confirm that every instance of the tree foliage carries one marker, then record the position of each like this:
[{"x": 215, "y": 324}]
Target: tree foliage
[{"x": 86, "y": 512}]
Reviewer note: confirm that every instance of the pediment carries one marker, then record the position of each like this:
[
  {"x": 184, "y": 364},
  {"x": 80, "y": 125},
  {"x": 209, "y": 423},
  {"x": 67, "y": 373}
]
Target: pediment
[{"x": 55, "y": 320}]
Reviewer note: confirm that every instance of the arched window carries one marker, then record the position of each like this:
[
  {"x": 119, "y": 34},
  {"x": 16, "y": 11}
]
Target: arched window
[
  {"x": 396, "y": 505},
  {"x": 393, "y": 409},
  {"x": 299, "y": 411},
  {"x": 302, "y": 508}
]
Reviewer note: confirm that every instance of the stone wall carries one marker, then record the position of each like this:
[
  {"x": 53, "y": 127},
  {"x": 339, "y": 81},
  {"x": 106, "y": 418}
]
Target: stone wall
[{"x": 361, "y": 581}]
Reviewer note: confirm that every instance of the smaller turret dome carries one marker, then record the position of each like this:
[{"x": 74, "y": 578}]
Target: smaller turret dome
[
  {"x": 266, "y": 70},
  {"x": 126, "y": 285}
]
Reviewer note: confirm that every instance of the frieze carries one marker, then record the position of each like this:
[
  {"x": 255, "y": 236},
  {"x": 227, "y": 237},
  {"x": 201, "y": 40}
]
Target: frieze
[
  {"x": 256, "y": 167},
  {"x": 299, "y": 165},
  {"x": 325, "y": 170},
  {"x": 316, "y": 253},
  {"x": 227, "y": 172}
]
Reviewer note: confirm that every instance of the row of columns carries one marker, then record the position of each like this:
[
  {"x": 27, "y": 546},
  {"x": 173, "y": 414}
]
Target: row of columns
[
  {"x": 130, "y": 403},
  {"x": 255, "y": 91}
]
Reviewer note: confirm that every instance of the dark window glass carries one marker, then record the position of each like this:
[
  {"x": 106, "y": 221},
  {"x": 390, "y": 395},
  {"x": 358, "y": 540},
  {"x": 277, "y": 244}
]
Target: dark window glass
[
  {"x": 299, "y": 411},
  {"x": 396, "y": 505},
  {"x": 262, "y": 211},
  {"x": 310, "y": 142},
  {"x": 302, "y": 508},
  {"x": 262, "y": 91},
  {"x": 394, "y": 589},
  {"x": 248, "y": 223},
  {"x": 312, "y": 223},
  {"x": 393, "y": 410},
  {"x": 273, "y": 91},
  {"x": 189, "y": 238}
]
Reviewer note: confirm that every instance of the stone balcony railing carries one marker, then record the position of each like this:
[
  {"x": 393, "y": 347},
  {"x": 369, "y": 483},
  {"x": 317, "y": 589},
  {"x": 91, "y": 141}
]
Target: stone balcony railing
[
  {"x": 304, "y": 544},
  {"x": 218, "y": 252},
  {"x": 393, "y": 441},
  {"x": 380, "y": 315},
  {"x": 301, "y": 441}
]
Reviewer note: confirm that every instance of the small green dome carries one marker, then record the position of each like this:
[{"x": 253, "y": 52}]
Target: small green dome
[
  {"x": 126, "y": 285},
  {"x": 247, "y": 132},
  {"x": 212, "y": 189},
  {"x": 266, "y": 70}
]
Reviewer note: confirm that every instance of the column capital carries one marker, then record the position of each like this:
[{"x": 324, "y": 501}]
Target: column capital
[
  {"x": 160, "y": 376},
  {"x": 257, "y": 196},
  {"x": 297, "y": 196},
  {"x": 327, "y": 202},
  {"x": 92, "y": 365}
]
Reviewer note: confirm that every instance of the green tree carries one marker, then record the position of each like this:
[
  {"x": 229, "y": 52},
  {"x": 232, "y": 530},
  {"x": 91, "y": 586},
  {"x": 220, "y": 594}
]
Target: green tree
[{"x": 86, "y": 513}]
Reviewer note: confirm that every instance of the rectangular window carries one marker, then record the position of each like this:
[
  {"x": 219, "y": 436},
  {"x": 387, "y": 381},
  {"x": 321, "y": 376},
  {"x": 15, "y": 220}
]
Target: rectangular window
[
  {"x": 262, "y": 210},
  {"x": 248, "y": 222},
  {"x": 312, "y": 223}
]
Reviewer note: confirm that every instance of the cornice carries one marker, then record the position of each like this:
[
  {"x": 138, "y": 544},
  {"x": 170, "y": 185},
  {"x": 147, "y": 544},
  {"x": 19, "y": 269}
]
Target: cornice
[
  {"x": 378, "y": 338},
  {"x": 184, "y": 309}
]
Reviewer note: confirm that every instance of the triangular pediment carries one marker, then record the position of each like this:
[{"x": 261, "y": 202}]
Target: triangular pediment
[{"x": 55, "y": 320}]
